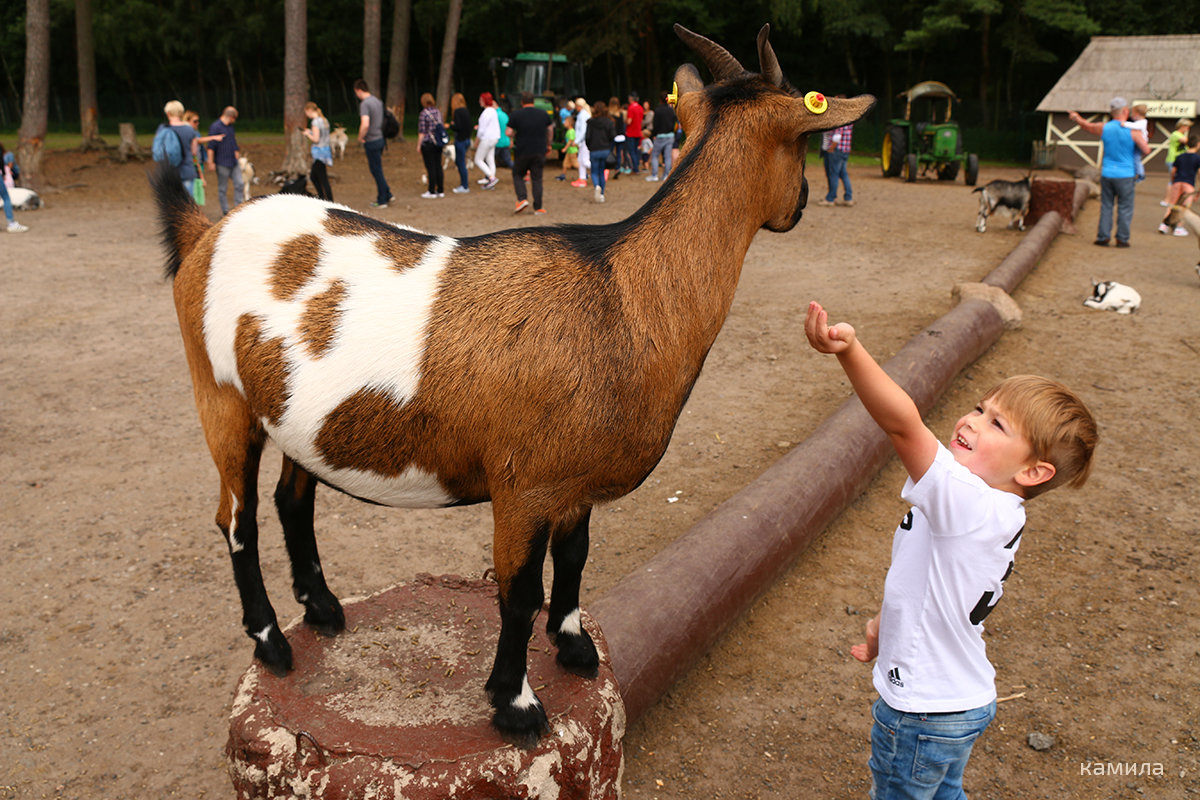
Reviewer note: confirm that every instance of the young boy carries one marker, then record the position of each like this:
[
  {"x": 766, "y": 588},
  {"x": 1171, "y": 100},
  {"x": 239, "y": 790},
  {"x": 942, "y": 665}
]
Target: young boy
[
  {"x": 1137, "y": 122},
  {"x": 950, "y": 557},
  {"x": 570, "y": 151}
]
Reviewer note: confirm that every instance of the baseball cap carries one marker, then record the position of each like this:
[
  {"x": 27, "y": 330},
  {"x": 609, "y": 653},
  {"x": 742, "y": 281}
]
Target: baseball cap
[{"x": 1117, "y": 103}]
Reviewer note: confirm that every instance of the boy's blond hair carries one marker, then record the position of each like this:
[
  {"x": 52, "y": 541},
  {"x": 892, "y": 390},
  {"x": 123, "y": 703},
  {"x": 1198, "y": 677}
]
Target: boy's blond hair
[
  {"x": 1140, "y": 108},
  {"x": 173, "y": 109},
  {"x": 1058, "y": 426}
]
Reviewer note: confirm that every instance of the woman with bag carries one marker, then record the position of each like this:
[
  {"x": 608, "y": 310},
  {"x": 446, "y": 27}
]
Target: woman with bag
[
  {"x": 322, "y": 152},
  {"x": 600, "y": 134},
  {"x": 431, "y": 136}
]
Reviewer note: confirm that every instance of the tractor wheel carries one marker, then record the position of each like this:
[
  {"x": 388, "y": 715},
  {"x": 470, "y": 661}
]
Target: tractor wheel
[
  {"x": 910, "y": 165},
  {"x": 895, "y": 145},
  {"x": 948, "y": 171},
  {"x": 972, "y": 173}
]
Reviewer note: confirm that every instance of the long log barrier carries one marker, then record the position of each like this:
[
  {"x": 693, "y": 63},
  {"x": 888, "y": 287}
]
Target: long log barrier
[
  {"x": 394, "y": 708},
  {"x": 661, "y": 618}
]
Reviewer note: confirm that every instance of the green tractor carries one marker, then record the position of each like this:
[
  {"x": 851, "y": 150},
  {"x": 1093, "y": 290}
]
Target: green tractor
[
  {"x": 546, "y": 75},
  {"x": 934, "y": 146}
]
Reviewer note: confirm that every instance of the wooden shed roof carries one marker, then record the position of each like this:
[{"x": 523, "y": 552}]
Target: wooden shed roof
[{"x": 1144, "y": 67}]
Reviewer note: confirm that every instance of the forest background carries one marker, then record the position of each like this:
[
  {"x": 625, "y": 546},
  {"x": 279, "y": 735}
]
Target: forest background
[{"x": 87, "y": 65}]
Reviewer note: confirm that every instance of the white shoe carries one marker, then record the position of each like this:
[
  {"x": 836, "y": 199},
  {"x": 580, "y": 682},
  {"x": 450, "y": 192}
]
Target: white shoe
[
  {"x": 1178, "y": 231},
  {"x": 16, "y": 227},
  {"x": 483, "y": 180},
  {"x": 1163, "y": 203},
  {"x": 428, "y": 195},
  {"x": 1164, "y": 228},
  {"x": 460, "y": 190},
  {"x": 651, "y": 178}
]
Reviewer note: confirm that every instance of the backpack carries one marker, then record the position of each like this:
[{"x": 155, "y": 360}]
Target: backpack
[
  {"x": 438, "y": 135},
  {"x": 391, "y": 125},
  {"x": 167, "y": 146}
]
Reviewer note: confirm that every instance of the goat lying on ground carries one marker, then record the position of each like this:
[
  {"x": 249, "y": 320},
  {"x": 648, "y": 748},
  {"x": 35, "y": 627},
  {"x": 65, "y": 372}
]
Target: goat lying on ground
[
  {"x": 23, "y": 199},
  {"x": 542, "y": 369},
  {"x": 1013, "y": 195},
  {"x": 338, "y": 140},
  {"x": 1113, "y": 296}
]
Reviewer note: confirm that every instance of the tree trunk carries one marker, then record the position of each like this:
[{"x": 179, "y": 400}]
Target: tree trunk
[
  {"x": 398, "y": 62},
  {"x": 295, "y": 84},
  {"x": 372, "y": 33},
  {"x": 985, "y": 77},
  {"x": 35, "y": 109},
  {"x": 449, "y": 48},
  {"x": 89, "y": 115}
]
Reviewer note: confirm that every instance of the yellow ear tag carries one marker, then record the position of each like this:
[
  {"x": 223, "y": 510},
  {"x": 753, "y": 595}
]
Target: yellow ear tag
[
  {"x": 816, "y": 102},
  {"x": 673, "y": 97}
]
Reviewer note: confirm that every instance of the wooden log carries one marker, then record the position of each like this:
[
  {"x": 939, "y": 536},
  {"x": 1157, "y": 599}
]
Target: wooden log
[{"x": 129, "y": 147}]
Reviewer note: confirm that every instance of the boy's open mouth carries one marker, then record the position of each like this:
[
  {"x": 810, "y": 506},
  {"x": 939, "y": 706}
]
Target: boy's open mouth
[{"x": 961, "y": 442}]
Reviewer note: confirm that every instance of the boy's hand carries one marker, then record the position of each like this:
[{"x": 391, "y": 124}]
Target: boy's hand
[
  {"x": 867, "y": 651},
  {"x": 823, "y": 338}
]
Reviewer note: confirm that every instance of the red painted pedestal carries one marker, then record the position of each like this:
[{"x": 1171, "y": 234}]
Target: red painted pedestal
[{"x": 395, "y": 708}]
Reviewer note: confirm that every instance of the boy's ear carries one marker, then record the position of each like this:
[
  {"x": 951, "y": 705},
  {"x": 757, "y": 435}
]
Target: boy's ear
[{"x": 1037, "y": 473}]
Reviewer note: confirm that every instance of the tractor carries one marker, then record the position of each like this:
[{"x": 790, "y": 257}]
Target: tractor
[
  {"x": 934, "y": 146},
  {"x": 546, "y": 75}
]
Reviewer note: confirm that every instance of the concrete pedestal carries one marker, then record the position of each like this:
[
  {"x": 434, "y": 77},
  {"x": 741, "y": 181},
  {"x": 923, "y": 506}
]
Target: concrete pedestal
[{"x": 395, "y": 708}]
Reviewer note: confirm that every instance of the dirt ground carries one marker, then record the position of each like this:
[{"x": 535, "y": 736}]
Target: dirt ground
[{"x": 120, "y": 642}]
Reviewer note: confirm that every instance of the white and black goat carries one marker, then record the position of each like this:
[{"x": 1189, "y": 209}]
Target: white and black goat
[
  {"x": 1013, "y": 195},
  {"x": 542, "y": 369}
]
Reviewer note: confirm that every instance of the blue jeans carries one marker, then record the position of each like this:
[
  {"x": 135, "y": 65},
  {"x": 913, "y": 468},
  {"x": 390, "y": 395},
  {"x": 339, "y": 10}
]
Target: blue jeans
[
  {"x": 224, "y": 176},
  {"x": 633, "y": 152},
  {"x": 599, "y": 157},
  {"x": 8, "y": 209},
  {"x": 664, "y": 144},
  {"x": 374, "y": 149},
  {"x": 1122, "y": 190},
  {"x": 460, "y": 159},
  {"x": 922, "y": 756},
  {"x": 835, "y": 170}
]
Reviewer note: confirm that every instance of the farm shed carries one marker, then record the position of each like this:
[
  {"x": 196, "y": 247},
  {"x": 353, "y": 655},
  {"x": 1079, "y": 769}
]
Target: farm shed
[{"x": 1161, "y": 71}]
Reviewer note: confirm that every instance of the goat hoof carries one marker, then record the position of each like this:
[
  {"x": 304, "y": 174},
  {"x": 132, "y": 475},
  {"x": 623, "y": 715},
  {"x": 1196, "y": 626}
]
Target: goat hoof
[
  {"x": 274, "y": 652},
  {"x": 326, "y": 618},
  {"x": 521, "y": 727},
  {"x": 577, "y": 655}
]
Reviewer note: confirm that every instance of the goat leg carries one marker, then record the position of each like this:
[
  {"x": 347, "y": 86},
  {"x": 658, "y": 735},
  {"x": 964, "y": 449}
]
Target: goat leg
[
  {"x": 576, "y": 651},
  {"x": 294, "y": 499}
]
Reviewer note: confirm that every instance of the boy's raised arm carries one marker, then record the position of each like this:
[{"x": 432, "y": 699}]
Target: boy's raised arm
[{"x": 888, "y": 404}]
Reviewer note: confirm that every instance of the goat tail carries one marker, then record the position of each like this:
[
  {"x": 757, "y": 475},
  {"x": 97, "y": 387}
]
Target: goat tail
[
  {"x": 979, "y": 189},
  {"x": 181, "y": 223}
]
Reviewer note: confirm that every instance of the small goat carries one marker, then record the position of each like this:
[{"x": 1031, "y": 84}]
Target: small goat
[
  {"x": 1178, "y": 216},
  {"x": 1013, "y": 195},
  {"x": 338, "y": 140},
  {"x": 1113, "y": 296},
  {"x": 542, "y": 369},
  {"x": 247, "y": 170}
]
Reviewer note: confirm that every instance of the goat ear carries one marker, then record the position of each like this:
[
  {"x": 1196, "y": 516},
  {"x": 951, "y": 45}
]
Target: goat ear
[
  {"x": 687, "y": 79},
  {"x": 687, "y": 82},
  {"x": 839, "y": 111}
]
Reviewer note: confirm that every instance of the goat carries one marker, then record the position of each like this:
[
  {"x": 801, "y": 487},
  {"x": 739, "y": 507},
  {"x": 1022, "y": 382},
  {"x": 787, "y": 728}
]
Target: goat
[
  {"x": 1113, "y": 296},
  {"x": 542, "y": 369},
  {"x": 24, "y": 199},
  {"x": 1182, "y": 216},
  {"x": 1010, "y": 194},
  {"x": 338, "y": 140},
  {"x": 247, "y": 170}
]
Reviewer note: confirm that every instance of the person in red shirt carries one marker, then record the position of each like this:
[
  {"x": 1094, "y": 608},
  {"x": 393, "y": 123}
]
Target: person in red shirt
[{"x": 633, "y": 134}]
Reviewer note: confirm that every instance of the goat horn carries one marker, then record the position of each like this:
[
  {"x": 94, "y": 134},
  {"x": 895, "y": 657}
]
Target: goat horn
[
  {"x": 766, "y": 58},
  {"x": 719, "y": 61}
]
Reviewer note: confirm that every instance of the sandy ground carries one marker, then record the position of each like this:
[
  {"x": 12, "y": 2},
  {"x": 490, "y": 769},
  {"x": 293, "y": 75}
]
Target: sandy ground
[{"x": 120, "y": 642}]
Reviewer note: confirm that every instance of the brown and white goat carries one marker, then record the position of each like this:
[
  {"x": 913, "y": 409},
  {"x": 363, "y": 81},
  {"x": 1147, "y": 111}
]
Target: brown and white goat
[{"x": 542, "y": 369}]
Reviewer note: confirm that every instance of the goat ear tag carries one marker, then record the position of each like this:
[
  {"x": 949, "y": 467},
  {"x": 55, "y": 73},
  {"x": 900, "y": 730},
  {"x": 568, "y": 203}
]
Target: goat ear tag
[
  {"x": 673, "y": 97},
  {"x": 816, "y": 102}
]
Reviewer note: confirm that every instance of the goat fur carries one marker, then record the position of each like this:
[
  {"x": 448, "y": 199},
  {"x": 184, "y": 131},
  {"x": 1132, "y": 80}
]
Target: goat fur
[
  {"x": 1013, "y": 195},
  {"x": 542, "y": 369}
]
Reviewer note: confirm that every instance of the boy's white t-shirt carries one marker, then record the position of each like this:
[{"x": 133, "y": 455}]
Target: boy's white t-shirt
[{"x": 950, "y": 557}]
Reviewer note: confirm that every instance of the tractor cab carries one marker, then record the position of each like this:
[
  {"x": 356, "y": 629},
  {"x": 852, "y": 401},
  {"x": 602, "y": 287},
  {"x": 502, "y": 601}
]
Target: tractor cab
[
  {"x": 545, "y": 75},
  {"x": 927, "y": 139}
]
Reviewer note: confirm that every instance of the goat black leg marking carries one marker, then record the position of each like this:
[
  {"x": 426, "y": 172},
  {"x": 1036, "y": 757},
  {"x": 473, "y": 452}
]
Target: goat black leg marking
[
  {"x": 239, "y": 523},
  {"x": 294, "y": 499},
  {"x": 519, "y": 715},
  {"x": 576, "y": 651}
]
